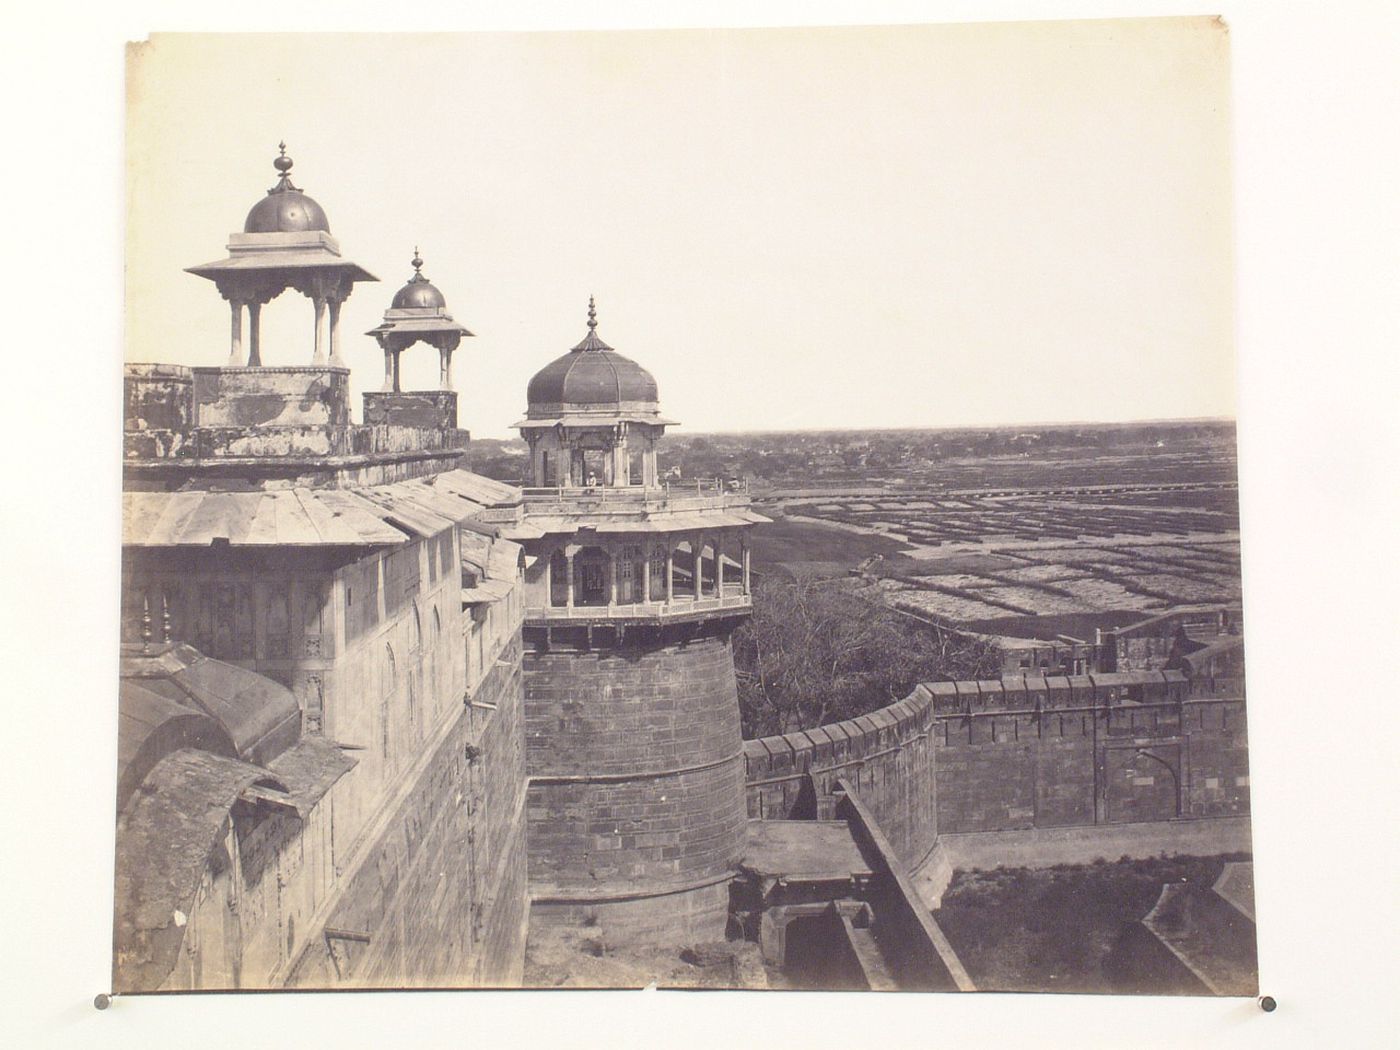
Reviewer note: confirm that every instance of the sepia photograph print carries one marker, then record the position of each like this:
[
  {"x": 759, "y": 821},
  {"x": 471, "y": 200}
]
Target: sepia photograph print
[{"x": 728, "y": 509}]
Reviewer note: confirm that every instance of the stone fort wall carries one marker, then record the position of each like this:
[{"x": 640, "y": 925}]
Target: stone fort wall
[
  {"x": 636, "y": 777},
  {"x": 438, "y": 894},
  {"x": 887, "y": 757},
  {"x": 412, "y": 868},
  {"x": 1018, "y": 753}
]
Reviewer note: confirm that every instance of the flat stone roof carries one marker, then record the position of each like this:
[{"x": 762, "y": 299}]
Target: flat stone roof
[{"x": 809, "y": 850}]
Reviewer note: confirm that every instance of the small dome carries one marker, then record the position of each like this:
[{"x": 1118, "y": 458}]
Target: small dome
[
  {"x": 592, "y": 375},
  {"x": 285, "y": 209},
  {"x": 419, "y": 293}
]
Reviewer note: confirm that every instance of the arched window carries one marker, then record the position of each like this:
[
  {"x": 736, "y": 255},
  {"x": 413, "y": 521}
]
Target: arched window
[
  {"x": 437, "y": 628},
  {"x": 415, "y": 639},
  {"x": 389, "y": 671}
]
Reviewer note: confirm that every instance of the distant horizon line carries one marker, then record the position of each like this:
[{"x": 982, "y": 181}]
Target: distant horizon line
[{"x": 1043, "y": 424}]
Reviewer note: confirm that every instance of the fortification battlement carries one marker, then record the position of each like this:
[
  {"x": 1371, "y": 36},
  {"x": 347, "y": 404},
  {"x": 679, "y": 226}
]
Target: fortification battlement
[{"x": 777, "y": 757}]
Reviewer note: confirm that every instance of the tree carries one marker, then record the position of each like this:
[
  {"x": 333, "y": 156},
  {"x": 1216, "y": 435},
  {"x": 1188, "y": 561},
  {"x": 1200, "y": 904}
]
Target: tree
[{"x": 818, "y": 651}]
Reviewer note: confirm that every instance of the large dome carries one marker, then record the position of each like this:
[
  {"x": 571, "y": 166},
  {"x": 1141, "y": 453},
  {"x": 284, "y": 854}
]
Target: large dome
[
  {"x": 285, "y": 209},
  {"x": 592, "y": 376}
]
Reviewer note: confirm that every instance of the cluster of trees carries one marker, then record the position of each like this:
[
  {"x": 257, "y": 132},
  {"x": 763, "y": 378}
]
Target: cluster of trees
[{"x": 817, "y": 651}]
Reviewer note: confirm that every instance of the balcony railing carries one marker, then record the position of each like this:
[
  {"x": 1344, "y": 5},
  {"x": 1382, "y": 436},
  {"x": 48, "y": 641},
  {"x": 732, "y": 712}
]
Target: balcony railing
[
  {"x": 641, "y": 610},
  {"x": 634, "y": 499}
]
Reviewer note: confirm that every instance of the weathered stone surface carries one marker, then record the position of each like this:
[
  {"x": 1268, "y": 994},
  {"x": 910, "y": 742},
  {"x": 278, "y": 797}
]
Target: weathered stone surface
[
  {"x": 429, "y": 409},
  {"x": 636, "y": 801}
]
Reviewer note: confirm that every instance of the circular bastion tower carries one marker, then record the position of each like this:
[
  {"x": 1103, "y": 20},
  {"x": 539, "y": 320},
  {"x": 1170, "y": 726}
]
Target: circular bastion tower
[{"x": 636, "y": 812}]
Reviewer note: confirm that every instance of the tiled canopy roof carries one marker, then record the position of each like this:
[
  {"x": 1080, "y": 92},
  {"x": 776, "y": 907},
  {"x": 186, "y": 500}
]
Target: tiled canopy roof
[{"x": 372, "y": 516}]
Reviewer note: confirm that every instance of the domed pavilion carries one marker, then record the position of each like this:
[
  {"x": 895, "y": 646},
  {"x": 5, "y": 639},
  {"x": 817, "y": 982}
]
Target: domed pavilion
[
  {"x": 592, "y": 418},
  {"x": 286, "y": 243}
]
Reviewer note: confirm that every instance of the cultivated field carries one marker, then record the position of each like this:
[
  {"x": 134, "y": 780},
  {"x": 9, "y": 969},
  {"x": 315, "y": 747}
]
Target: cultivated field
[{"x": 982, "y": 543}]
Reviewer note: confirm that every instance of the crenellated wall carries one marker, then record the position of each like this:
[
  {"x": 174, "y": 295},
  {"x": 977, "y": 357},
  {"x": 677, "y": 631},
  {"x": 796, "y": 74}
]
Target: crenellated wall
[
  {"x": 1018, "y": 753},
  {"x": 886, "y": 756}
]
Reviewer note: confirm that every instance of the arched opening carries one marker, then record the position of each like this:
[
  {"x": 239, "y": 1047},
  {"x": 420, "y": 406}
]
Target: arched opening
[
  {"x": 706, "y": 582},
  {"x": 683, "y": 570},
  {"x": 592, "y": 567},
  {"x": 415, "y": 639},
  {"x": 630, "y": 567},
  {"x": 657, "y": 568},
  {"x": 389, "y": 671},
  {"x": 595, "y": 468},
  {"x": 558, "y": 580}
]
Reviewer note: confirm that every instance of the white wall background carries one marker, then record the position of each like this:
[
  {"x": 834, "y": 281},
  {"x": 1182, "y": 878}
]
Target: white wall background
[{"x": 1317, "y": 222}]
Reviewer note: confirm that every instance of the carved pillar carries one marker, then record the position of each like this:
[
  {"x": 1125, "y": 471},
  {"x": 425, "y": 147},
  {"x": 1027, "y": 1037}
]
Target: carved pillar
[
  {"x": 648, "y": 555},
  {"x": 569, "y": 578},
  {"x": 397, "y": 388},
  {"x": 445, "y": 368},
  {"x": 697, "y": 575},
  {"x": 549, "y": 580},
  {"x": 612, "y": 578},
  {"x": 318, "y": 356},
  {"x": 255, "y": 334},
  {"x": 235, "y": 347},
  {"x": 719, "y": 565},
  {"x": 744, "y": 555},
  {"x": 388, "y": 386},
  {"x": 336, "y": 360},
  {"x": 670, "y": 566}
]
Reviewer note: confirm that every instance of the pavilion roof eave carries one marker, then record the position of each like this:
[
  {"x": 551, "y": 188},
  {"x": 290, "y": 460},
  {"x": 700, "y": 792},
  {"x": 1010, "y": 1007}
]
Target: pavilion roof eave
[
  {"x": 424, "y": 327},
  {"x": 297, "y": 262}
]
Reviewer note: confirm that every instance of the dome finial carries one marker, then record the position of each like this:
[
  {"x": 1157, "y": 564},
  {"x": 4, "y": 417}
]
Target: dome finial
[
  {"x": 592, "y": 315},
  {"x": 283, "y": 164},
  {"x": 417, "y": 266}
]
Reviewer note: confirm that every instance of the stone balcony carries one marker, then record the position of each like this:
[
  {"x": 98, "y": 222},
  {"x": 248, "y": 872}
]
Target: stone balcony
[
  {"x": 680, "y": 608},
  {"x": 634, "y": 501}
]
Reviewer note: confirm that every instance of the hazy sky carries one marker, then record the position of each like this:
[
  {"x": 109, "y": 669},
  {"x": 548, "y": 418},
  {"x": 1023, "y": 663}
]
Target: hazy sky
[{"x": 790, "y": 228}]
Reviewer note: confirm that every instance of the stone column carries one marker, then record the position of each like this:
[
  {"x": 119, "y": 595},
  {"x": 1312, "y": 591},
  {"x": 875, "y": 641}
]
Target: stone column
[
  {"x": 719, "y": 565},
  {"x": 612, "y": 578},
  {"x": 549, "y": 580},
  {"x": 388, "y": 386},
  {"x": 235, "y": 347},
  {"x": 698, "y": 551},
  {"x": 569, "y": 578},
  {"x": 336, "y": 360},
  {"x": 318, "y": 355},
  {"x": 744, "y": 548},
  {"x": 444, "y": 368},
  {"x": 397, "y": 388},
  {"x": 255, "y": 334},
  {"x": 648, "y": 556},
  {"x": 670, "y": 567}
]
